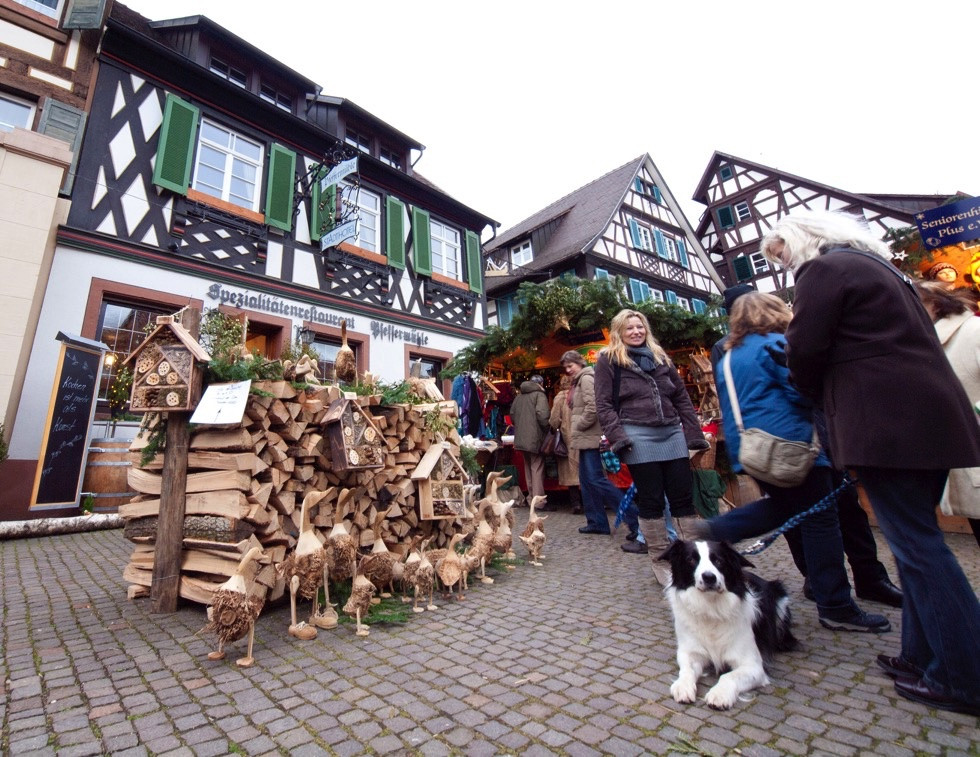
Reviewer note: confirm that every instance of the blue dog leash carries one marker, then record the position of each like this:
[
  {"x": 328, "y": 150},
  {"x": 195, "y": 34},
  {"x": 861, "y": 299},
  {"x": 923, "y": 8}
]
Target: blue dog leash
[{"x": 831, "y": 499}]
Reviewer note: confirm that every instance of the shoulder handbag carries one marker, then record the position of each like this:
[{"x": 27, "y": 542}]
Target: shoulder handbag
[
  {"x": 767, "y": 457},
  {"x": 554, "y": 444}
]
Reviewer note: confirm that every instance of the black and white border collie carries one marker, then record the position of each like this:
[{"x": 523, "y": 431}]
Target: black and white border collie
[{"x": 725, "y": 617}]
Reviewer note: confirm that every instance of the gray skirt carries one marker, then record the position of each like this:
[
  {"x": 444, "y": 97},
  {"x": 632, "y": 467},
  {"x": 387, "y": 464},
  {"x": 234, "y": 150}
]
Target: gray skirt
[{"x": 653, "y": 443}]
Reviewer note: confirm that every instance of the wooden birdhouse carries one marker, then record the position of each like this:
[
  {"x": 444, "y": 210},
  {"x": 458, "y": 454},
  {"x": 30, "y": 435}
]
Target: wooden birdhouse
[
  {"x": 440, "y": 478},
  {"x": 355, "y": 442},
  {"x": 168, "y": 369}
]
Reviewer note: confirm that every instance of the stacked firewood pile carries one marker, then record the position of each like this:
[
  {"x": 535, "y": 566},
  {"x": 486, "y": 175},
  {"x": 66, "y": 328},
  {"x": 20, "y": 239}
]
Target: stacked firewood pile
[{"x": 246, "y": 485}]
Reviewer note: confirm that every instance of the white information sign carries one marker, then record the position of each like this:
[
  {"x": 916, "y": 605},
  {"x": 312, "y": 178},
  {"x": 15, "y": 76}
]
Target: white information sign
[
  {"x": 338, "y": 234},
  {"x": 338, "y": 172},
  {"x": 222, "y": 403}
]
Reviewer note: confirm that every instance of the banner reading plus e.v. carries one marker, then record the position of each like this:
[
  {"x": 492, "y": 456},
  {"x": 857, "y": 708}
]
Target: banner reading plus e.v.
[{"x": 949, "y": 224}]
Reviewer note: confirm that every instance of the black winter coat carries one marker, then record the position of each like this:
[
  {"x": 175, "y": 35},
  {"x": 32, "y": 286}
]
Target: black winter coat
[{"x": 862, "y": 343}]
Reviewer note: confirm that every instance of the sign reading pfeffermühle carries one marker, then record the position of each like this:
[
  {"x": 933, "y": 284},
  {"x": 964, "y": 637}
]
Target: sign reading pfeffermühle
[{"x": 950, "y": 224}]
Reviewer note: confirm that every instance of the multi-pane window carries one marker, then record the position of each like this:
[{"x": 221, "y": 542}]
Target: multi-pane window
[
  {"x": 424, "y": 367},
  {"x": 656, "y": 295},
  {"x": 14, "y": 113},
  {"x": 47, "y": 7},
  {"x": 684, "y": 303},
  {"x": 360, "y": 141},
  {"x": 390, "y": 157},
  {"x": 521, "y": 254},
  {"x": 368, "y": 215},
  {"x": 646, "y": 241},
  {"x": 229, "y": 166},
  {"x": 670, "y": 248},
  {"x": 279, "y": 99},
  {"x": 445, "y": 250},
  {"x": 227, "y": 71},
  {"x": 759, "y": 262},
  {"x": 122, "y": 328},
  {"x": 742, "y": 210},
  {"x": 326, "y": 350}
]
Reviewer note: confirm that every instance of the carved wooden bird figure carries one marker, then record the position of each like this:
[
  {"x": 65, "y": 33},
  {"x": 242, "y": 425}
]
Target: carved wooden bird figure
[
  {"x": 424, "y": 580},
  {"x": 533, "y": 520},
  {"x": 378, "y": 565},
  {"x": 305, "y": 568},
  {"x": 233, "y": 611},
  {"x": 362, "y": 590},
  {"x": 503, "y": 538},
  {"x": 450, "y": 568},
  {"x": 481, "y": 548},
  {"x": 345, "y": 363}
]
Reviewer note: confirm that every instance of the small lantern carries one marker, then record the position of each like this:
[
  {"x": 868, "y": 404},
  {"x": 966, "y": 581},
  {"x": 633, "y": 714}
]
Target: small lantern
[
  {"x": 355, "y": 442},
  {"x": 440, "y": 478},
  {"x": 167, "y": 369}
]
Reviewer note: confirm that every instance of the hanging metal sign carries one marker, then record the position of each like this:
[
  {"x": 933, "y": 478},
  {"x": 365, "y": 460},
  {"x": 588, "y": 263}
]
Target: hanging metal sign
[
  {"x": 338, "y": 172},
  {"x": 338, "y": 234}
]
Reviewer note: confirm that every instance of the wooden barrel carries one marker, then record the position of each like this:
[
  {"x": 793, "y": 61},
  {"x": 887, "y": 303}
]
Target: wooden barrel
[{"x": 106, "y": 474}]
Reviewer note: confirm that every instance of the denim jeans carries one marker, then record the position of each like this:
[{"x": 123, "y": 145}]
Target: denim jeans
[
  {"x": 823, "y": 546},
  {"x": 940, "y": 613},
  {"x": 598, "y": 492}
]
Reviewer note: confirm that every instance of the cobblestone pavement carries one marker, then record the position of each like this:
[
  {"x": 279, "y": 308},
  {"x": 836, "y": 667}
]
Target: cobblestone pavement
[{"x": 573, "y": 658}]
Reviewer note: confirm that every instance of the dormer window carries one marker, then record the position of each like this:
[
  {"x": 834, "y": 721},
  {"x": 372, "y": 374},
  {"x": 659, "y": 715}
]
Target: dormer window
[
  {"x": 280, "y": 100},
  {"x": 360, "y": 141},
  {"x": 521, "y": 254},
  {"x": 226, "y": 71},
  {"x": 391, "y": 158}
]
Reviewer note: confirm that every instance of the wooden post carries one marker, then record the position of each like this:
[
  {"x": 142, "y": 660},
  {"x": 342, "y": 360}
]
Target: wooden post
[{"x": 165, "y": 587}]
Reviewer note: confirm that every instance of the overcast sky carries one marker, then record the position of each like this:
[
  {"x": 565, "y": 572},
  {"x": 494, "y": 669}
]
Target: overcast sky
[{"x": 520, "y": 103}]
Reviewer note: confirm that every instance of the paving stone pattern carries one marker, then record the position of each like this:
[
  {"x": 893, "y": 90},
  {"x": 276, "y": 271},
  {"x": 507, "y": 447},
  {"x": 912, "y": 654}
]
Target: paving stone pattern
[{"x": 573, "y": 658}]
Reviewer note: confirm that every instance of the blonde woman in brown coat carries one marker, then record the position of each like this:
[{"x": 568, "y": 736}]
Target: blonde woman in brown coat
[{"x": 561, "y": 419}]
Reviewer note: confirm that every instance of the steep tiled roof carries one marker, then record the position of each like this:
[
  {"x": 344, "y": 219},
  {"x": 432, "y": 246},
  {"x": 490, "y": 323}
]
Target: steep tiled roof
[{"x": 584, "y": 215}]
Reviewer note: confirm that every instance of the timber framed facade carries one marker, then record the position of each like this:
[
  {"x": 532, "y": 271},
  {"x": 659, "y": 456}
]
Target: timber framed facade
[
  {"x": 745, "y": 199},
  {"x": 625, "y": 225}
]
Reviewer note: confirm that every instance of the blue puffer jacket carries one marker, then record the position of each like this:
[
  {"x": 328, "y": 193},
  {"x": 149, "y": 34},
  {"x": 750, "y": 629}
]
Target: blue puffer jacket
[{"x": 765, "y": 395}]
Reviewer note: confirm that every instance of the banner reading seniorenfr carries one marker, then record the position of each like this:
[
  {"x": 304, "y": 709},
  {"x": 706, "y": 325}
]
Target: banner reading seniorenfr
[{"x": 950, "y": 224}]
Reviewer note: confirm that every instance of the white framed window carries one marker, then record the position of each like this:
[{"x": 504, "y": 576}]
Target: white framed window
[
  {"x": 368, "y": 206},
  {"x": 646, "y": 241},
  {"x": 47, "y": 7},
  {"x": 670, "y": 248},
  {"x": 360, "y": 141},
  {"x": 521, "y": 254},
  {"x": 656, "y": 295},
  {"x": 279, "y": 99},
  {"x": 445, "y": 250},
  {"x": 742, "y": 210},
  {"x": 229, "y": 166},
  {"x": 684, "y": 303},
  {"x": 15, "y": 112},
  {"x": 227, "y": 71},
  {"x": 390, "y": 158},
  {"x": 759, "y": 262}
]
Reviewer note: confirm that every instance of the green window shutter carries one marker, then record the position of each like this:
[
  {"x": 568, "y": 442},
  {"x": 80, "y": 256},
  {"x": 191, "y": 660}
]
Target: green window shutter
[
  {"x": 699, "y": 305},
  {"x": 505, "y": 311},
  {"x": 475, "y": 270},
  {"x": 421, "y": 242},
  {"x": 84, "y": 14},
  {"x": 658, "y": 236},
  {"x": 635, "y": 233},
  {"x": 743, "y": 268},
  {"x": 682, "y": 252},
  {"x": 67, "y": 124},
  {"x": 323, "y": 208},
  {"x": 671, "y": 296},
  {"x": 175, "y": 151},
  {"x": 601, "y": 274},
  {"x": 395, "y": 239},
  {"x": 638, "y": 184},
  {"x": 657, "y": 196},
  {"x": 279, "y": 188},
  {"x": 725, "y": 218}
]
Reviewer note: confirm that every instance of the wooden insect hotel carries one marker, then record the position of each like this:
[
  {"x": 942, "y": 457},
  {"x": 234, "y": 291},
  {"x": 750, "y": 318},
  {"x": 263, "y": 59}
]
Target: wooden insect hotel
[
  {"x": 440, "y": 478},
  {"x": 355, "y": 441},
  {"x": 168, "y": 369}
]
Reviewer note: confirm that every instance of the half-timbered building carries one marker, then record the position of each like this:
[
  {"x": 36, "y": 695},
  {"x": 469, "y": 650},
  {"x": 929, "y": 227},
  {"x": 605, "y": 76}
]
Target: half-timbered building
[
  {"x": 625, "y": 224},
  {"x": 744, "y": 200},
  {"x": 210, "y": 175}
]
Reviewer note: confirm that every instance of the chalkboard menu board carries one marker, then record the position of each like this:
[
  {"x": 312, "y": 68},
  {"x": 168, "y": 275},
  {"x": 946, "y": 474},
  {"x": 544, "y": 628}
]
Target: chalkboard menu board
[{"x": 63, "y": 448}]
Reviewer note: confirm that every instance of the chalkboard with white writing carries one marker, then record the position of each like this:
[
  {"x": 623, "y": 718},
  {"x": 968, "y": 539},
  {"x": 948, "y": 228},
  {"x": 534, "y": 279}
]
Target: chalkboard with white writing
[{"x": 63, "y": 449}]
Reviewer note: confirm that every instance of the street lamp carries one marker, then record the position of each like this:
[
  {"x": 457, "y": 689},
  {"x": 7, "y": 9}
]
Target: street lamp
[{"x": 306, "y": 335}]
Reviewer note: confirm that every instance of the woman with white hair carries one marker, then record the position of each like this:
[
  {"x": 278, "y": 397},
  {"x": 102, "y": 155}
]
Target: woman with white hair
[{"x": 861, "y": 343}]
